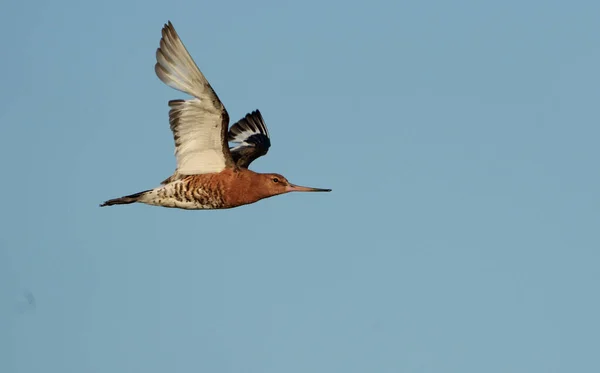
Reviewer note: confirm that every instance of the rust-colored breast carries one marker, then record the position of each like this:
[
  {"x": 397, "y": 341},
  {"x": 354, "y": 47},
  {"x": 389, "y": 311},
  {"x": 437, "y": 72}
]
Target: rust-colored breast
[
  {"x": 204, "y": 190},
  {"x": 227, "y": 189},
  {"x": 241, "y": 187}
]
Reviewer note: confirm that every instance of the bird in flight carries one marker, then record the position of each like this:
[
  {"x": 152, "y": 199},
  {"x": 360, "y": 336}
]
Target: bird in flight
[{"x": 209, "y": 174}]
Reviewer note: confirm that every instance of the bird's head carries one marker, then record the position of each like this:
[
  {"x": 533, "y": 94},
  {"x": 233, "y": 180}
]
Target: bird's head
[{"x": 275, "y": 184}]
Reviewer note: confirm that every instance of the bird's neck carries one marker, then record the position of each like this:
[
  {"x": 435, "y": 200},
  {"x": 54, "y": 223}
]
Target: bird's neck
[{"x": 242, "y": 187}]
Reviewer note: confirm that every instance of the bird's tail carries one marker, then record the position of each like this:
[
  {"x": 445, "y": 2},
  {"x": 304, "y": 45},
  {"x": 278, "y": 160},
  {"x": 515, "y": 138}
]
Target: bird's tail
[{"x": 124, "y": 200}]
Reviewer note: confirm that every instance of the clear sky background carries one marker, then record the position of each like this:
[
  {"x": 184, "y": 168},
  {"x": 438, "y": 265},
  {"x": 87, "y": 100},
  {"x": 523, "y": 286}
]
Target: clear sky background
[{"x": 460, "y": 139}]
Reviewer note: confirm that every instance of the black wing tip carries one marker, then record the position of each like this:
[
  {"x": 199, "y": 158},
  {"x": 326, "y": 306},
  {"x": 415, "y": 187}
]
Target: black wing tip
[
  {"x": 253, "y": 122},
  {"x": 259, "y": 140},
  {"x": 255, "y": 114},
  {"x": 168, "y": 30}
]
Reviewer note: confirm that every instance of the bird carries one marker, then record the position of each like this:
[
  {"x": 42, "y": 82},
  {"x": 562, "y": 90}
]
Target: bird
[{"x": 209, "y": 174}]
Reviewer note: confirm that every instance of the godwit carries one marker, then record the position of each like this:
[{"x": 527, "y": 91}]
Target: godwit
[{"x": 209, "y": 174}]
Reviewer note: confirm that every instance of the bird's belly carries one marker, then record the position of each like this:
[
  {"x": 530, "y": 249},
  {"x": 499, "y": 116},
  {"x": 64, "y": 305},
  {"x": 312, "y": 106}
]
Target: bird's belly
[
  {"x": 175, "y": 203},
  {"x": 175, "y": 197}
]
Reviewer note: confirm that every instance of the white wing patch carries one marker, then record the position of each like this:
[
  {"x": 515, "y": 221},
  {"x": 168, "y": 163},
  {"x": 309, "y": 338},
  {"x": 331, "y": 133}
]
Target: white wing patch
[
  {"x": 198, "y": 146},
  {"x": 246, "y": 128},
  {"x": 240, "y": 139},
  {"x": 199, "y": 125}
]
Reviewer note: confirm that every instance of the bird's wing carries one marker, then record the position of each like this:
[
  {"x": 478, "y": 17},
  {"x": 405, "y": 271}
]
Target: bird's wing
[
  {"x": 252, "y": 138},
  {"x": 199, "y": 124}
]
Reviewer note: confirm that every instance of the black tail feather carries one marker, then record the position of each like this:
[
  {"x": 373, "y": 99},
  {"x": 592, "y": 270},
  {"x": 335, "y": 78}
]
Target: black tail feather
[{"x": 132, "y": 198}]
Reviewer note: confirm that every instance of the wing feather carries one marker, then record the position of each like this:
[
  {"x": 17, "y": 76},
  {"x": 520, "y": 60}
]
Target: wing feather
[
  {"x": 252, "y": 138},
  {"x": 199, "y": 124}
]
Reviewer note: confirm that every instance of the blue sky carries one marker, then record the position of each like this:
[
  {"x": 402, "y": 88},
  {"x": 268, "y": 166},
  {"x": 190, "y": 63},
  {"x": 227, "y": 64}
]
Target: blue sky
[{"x": 460, "y": 140}]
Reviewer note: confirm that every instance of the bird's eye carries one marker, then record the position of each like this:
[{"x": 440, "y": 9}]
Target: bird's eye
[{"x": 275, "y": 180}]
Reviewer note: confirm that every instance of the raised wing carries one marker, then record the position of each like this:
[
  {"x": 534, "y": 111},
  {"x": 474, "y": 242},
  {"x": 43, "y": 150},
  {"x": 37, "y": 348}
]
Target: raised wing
[
  {"x": 252, "y": 137},
  {"x": 199, "y": 124}
]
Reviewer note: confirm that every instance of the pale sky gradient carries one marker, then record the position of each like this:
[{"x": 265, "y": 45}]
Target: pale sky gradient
[{"x": 460, "y": 139}]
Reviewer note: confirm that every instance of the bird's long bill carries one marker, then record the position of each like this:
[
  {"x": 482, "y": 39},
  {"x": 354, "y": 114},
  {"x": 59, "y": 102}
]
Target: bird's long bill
[{"x": 298, "y": 188}]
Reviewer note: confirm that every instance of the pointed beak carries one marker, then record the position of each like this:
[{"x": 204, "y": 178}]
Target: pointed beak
[{"x": 298, "y": 188}]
